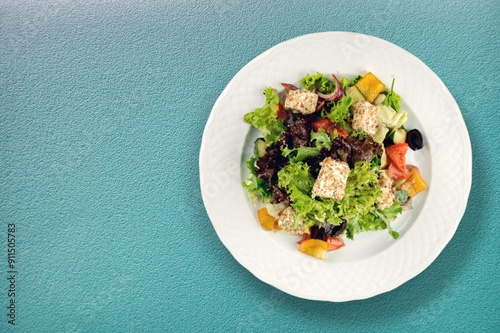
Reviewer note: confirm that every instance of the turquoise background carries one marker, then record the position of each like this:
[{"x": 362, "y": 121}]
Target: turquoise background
[{"x": 102, "y": 108}]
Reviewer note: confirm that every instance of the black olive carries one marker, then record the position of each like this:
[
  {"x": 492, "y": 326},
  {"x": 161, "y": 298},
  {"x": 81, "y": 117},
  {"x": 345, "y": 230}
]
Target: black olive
[
  {"x": 388, "y": 142},
  {"x": 414, "y": 139}
]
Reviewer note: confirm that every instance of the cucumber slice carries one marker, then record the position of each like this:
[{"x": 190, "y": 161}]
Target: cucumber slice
[
  {"x": 379, "y": 100},
  {"x": 260, "y": 147},
  {"x": 399, "y": 136},
  {"x": 355, "y": 94}
]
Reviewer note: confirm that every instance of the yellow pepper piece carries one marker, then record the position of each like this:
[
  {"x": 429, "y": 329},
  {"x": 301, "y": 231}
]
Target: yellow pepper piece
[
  {"x": 314, "y": 247},
  {"x": 266, "y": 221},
  {"x": 419, "y": 183},
  {"x": 370, "y": 86},
  {"x": 415, "y": 183}
]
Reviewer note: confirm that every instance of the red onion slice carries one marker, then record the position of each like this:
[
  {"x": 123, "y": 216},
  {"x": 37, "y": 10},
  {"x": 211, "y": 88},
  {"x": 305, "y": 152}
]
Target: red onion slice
[
  {"x": 320, "y": 105},
  {"x": 289, "y": 86},
  {"x": 336, "y": 94}
]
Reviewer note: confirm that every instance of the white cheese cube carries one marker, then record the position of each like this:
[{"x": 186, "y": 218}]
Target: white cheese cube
[
  {"x": 365, "y": 118},
  {"x": 301, "y": 101},
  {"x": 386, "y": 183},
  {"x": 286, "y": 222},
  {"x": 332, "y": 179}
]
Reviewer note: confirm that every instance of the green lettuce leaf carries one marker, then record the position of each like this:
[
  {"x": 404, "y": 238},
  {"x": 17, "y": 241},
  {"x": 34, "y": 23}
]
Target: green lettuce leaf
[
  {"x": 378, "y": 219},
  {"x": 320, "y": 139},
  {"x": 265, "y": 118},
  {"x": 339, "y": 112},
  {"x": 255, "y": 186},
  {"x": 312, "y": 211},
  {"x": 297, "y": 175},
  {"x": 319, "y": 81},
  {"x": 344, "y": 82},
  {"x": 392, "y": 99},
  {"x": 358, "y": 206},
  {"x": 355, "y": 80},
  {"x": 362, "y": 191},
  {"x": 299, "y": 154},
  {"x": 296, "y": 179},
  {"x": 389, "y": 214}
]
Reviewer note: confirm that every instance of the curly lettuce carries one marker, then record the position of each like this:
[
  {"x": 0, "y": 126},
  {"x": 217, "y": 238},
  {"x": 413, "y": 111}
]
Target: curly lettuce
[
  {"x": 296, "y": 175},
  {"x": 255, "y": 186},
  {"x": 339, "y": 112},
  {"x": 319, "y": 81},
  {"x": 265, "y": 118},
  {"x": 358, "y": 207},
  {"x": 320, "y": 139},
  {"x": 378, "y": 219},
  {"x": 296, "y": 179}
]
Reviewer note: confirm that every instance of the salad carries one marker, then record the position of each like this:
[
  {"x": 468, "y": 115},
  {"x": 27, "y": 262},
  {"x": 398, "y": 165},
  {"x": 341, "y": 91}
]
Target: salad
[{"x": 331, "y": 160}]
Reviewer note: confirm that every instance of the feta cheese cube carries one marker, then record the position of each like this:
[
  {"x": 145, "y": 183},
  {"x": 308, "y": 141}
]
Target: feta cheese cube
[
  {"x": 386, "y": 183},
  {"x": 301, "y": 101},
  {"x": 286, "y": 222},
  {"x": 365, "y": 118},
  {"x": 332, "y": 179}
]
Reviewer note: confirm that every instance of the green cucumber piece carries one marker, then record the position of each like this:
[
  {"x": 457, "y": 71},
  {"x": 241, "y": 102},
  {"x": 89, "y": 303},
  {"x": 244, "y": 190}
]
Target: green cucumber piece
[
  {"x": 355, "y": 94},
  {"x": 379, "y": 100},
  {"x": 260, "y": 147},
  {"x": 399, "y": 136}
]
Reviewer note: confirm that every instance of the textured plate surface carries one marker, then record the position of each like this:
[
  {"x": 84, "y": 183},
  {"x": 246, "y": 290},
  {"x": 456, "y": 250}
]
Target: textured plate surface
[{"x": 373, "y": 263}]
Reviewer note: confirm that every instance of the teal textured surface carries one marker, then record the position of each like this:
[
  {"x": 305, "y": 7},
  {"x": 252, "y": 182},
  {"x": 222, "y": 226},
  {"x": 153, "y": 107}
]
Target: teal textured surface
[{"x": 102, "y": 110}]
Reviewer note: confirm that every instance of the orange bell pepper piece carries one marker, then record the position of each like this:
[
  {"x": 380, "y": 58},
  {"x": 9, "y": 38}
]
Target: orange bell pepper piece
[
  {"x": 266, "y": 221},
  {"x": 370, "y": 86},
  {"x": 415, "y": 183},
  {"x": 314, "y": 247}
]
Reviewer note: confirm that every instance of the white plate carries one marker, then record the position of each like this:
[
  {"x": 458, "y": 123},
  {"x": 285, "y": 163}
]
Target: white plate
[{"x": 373, "y": 263}]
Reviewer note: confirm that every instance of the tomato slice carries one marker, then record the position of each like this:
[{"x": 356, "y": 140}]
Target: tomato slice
[
  {"x": 341, "y": 131},
  {"x": 323, "y": 123},
  {"x": 395, "y": 173},
  {"x": 329, "y": 127},
  {"x": 334, "y": 243},
  {"x": 396, "y": 154}
]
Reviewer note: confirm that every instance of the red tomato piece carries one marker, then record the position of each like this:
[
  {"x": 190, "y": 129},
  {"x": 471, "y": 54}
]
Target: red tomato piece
[
  {"x": 396, "y": 153},
  {"x": 334, "y": 243},
  {"x": 341, "y": 131},
  {"x": 323, "y": 123},
  {"x": 395, "y": 173},
  {"x": 329, "y": 127}
]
